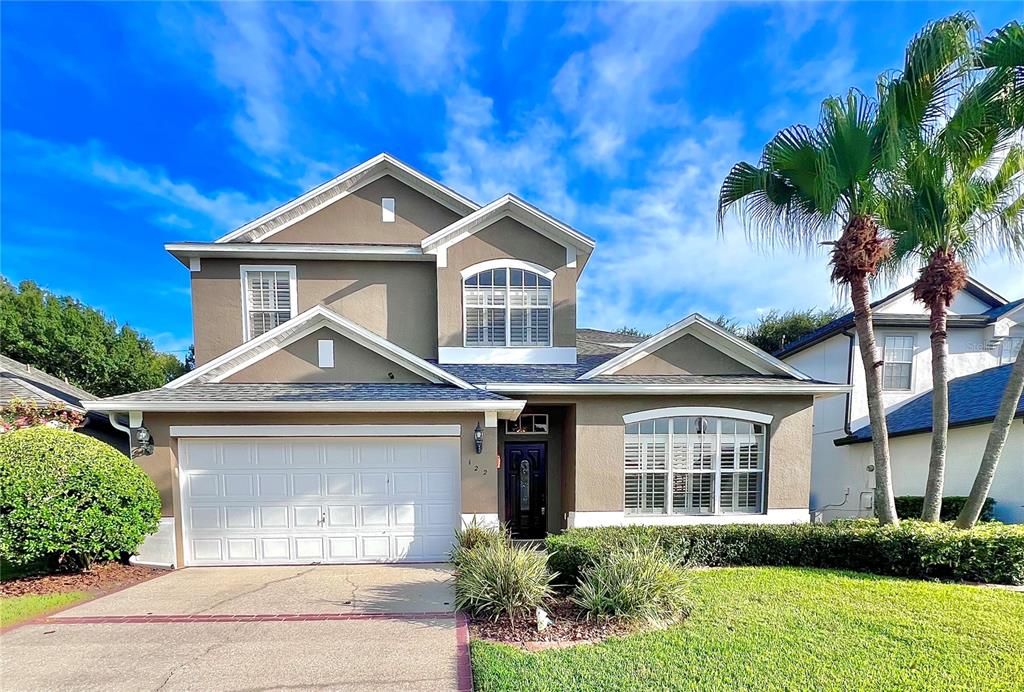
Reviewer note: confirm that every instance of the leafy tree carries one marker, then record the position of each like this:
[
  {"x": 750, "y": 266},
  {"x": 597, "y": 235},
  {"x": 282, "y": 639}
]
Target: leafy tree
[
  {"x": 809, "y": 183},
  {"x": 775, "y": 329},
  {"x": 633, "y": 331},
  {"x": 65, "y": 338},
  {"x": 953, "y": 195}
]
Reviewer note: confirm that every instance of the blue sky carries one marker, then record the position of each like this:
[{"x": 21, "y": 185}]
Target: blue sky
[{"x": 129, "y": 125}]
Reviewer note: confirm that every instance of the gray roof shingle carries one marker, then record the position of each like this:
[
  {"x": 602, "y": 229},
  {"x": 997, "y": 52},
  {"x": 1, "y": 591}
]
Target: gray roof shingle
[
  {"x": 309, "y": 391},
  {"x": 972, "y": 399},
  {"x": 32, "y": 384}
]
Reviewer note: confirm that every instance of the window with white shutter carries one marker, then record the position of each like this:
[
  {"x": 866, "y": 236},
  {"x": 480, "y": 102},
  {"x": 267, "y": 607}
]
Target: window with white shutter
[
  {"x": 269, "y": 294},
  {"x": 694, "y": 465},
  {"x": 507, "y": 307}
]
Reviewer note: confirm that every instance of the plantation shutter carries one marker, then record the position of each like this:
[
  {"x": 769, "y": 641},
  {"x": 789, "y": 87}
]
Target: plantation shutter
[{"x": 269, "y": 298}]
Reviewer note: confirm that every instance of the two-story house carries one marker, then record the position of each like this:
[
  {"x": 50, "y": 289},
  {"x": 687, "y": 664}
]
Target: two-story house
[
  {"x": 985, "y": 335},
  {"x": 382, "y": 359}
]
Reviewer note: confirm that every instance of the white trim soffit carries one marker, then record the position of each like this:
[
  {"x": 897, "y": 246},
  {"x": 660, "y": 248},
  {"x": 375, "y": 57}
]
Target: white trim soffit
[
  {"x": 508, "y": 408},
  {"x": 712, "y": 335},
  {"x": 806, "y": 388},
  {"x": 510, "y": 206},
  {"x": 371, "y": 170},
  {"x": 185, "y": 252},
  {"x": 710, "y": 411},
  {"x": 308, "y": 322},
  {"x": 315, "y": 430}
]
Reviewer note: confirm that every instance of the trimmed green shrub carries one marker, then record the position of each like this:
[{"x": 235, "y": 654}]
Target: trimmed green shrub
[
  {"x": 71, "y": 499},
  {"x": 990, "y": 552},
  {"x": 636, "y": 583},
  {"x": 497, "y": 579},
  {"x": 911, "y": 506}
]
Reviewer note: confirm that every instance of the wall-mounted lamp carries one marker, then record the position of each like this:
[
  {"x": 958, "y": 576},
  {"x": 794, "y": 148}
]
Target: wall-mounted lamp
[
  {"x": 478, "y": 438},
  {"x": 144, "y": 442}
]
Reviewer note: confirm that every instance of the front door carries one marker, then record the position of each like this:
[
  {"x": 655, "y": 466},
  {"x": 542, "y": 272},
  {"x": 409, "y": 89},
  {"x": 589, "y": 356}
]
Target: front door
[{"x": 526, "y": 489}]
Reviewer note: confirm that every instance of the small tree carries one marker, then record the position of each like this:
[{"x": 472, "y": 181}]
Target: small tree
[{"x": 18, "y": 413}]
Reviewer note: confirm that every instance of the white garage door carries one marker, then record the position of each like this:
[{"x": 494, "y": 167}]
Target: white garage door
[{"x": 307, "y": 500}]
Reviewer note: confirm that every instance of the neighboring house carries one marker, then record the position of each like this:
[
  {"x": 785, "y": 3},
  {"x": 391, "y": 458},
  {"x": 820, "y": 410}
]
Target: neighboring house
[
  {"x": 20, "y": 381},
  {"x": 382, "y": 359},
  {"x": 973, "y": 402},
  {"x": 985, "y": 331}
]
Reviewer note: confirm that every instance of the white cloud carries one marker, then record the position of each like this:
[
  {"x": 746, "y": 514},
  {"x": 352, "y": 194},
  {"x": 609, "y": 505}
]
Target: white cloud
[{"x": 176, "y": 202}]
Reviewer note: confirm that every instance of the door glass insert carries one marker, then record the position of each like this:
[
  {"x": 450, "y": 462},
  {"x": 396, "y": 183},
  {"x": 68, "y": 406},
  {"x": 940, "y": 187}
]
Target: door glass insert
[{"x": 524, "y": 484}]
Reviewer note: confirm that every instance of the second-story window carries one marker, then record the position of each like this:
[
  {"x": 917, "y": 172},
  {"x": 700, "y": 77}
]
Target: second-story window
[
  {"x": 269, "y": 294},
  {"x": 898, "y": 355},
  {"x": 1009, "y": 349},
  {"x": 507, "y": 306}
]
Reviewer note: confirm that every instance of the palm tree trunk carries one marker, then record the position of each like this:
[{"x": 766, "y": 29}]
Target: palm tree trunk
[
  {"x": 885, "y": 504},
  {"x": 994, "y": 447},
  {"x": 940, "y": 413}
]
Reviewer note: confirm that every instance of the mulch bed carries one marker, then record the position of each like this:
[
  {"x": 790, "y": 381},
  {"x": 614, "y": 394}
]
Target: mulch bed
[
  {"x": 101, "y": 578},
  {"x": 568, "y": 628}
]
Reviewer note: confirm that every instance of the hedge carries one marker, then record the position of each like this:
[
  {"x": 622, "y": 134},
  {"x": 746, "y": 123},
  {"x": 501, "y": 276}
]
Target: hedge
[
  {"x": 911, "y": 506},
  {"x": 991, "y": 552},
  {"x": 71, "y": 499}
]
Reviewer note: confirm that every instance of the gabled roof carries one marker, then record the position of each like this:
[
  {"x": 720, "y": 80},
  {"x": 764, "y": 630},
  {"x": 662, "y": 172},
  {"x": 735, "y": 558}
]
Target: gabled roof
[
  {"x": 258, "y": 230},
  {"x": 21, "y": 381},
  {"x": 711, "y": 334},
  {"x": 523, "y": 212},
  {"x": 974, "y": 287},
  {"x": 973, "y": 399},
  {"x": 300, "y": 326}
]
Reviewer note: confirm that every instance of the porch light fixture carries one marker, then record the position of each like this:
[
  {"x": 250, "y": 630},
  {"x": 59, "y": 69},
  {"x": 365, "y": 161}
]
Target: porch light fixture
[
  {"x": 478, "y": 438},
  {"x": 144, "y": 440}
]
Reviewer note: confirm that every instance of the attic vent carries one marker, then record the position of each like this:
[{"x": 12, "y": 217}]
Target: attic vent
[
  {"x": 325, "y": 353},
  {"x": 387, "y": 205}
]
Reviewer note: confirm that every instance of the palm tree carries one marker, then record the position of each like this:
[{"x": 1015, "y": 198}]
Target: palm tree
[
  {"x": 945, "y": 209},
  {"x": 1004, "y": 50},
  {"x": 809, "y": 183}
]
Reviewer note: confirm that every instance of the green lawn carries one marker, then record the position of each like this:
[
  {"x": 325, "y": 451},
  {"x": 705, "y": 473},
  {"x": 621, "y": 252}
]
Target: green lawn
[
  {"x": 778, "y": 628},
  {"x": 15, "y": 609}
]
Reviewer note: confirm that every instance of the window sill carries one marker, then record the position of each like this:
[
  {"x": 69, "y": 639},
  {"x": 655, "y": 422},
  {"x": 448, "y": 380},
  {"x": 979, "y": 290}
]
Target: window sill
[{"x": 546, "y": 355}]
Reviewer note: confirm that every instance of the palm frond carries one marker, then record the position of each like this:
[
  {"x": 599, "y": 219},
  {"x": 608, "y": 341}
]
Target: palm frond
[{"x": 1003, "y": 48}]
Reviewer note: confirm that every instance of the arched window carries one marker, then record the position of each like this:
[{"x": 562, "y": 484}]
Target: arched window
[
  {"x": 507, "y": 306},
  {"x": 695, "y": 464}
]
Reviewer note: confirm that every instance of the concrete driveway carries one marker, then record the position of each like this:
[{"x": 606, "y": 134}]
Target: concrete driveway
[{"x": 251, "y": 628}]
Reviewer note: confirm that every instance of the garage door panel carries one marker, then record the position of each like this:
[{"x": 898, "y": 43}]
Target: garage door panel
[{"x": 319, "y": 499}]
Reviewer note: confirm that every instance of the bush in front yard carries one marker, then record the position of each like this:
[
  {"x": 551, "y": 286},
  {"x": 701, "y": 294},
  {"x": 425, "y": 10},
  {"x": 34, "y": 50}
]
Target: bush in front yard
[
  {"x": 476, "y": 534},
  {"x": 635, "y": 583},
  {"x": 71, "y": 499},
  {"x": 496, "y": 579},
  {"x": 991, "y": 552},
  {"x": 911, "y": 506}
]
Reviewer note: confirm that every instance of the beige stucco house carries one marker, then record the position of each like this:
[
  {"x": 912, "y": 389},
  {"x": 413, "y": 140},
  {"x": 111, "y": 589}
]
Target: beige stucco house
[{"x": 382, "y": 359}]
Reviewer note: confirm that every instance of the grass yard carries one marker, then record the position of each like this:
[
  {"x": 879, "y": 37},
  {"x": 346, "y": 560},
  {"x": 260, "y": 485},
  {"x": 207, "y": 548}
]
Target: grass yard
[
  {"x": 787, "y": 628},
  {"x": 15, "y": 609}
]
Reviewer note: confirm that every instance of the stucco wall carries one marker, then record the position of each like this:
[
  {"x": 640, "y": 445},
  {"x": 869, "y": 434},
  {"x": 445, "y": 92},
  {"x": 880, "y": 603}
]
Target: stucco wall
[
  {"x": 506, "y": 239},
  {"x": 687, "y": 355},
  {"x": 299, "y": 362},
  {"x": 396, "y": 300},
  {"x": 479, "y": 478},
  {"x": 600, "y": 439},
  {"x": 910, "y": 456},
  {"x": 357, "y": 218}
]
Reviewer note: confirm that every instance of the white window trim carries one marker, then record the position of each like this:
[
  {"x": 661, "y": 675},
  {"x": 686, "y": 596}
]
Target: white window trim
[
  {"x": 706, "y": 411},
  {"x": 508, "y": 264},
  {"x": 292, "y": 290},
  {"x": 913, "y": 350},
  {"x": 716, "y": 472}
]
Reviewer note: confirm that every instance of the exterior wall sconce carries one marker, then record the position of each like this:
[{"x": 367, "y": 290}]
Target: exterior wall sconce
[
  {"x": 478, "y": 438},
  {"x": 144, "y": 440}
]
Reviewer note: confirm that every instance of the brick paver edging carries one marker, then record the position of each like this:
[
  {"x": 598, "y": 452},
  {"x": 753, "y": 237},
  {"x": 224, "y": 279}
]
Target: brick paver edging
[{"x": 226, "y": 617}]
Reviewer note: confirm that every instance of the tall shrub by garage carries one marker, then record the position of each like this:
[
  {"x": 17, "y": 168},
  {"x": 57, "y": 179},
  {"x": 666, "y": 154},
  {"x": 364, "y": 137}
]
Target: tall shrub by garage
[{"x": 71, "y": 499}]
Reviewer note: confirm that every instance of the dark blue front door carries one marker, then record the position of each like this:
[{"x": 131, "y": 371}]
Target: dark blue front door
[{"x": 526, "y": 489}]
